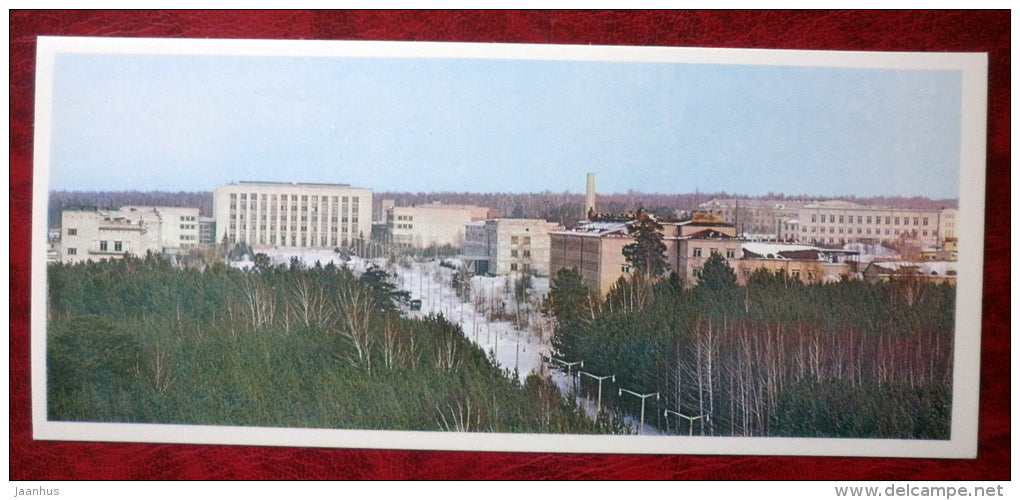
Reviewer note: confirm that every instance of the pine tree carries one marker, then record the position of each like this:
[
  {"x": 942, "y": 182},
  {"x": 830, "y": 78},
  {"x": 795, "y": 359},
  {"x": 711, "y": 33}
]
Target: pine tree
[{"x": 648, "y": 253}]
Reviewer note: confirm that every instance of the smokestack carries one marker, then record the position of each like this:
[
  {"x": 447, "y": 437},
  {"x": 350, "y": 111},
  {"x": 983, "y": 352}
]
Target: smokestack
[{"x": 589, "y": 197}]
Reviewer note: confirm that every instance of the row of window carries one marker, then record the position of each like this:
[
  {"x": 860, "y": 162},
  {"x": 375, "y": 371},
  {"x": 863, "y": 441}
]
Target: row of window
[
  {"x": 867, "y": 219},
  {"x": 293, "y": 197},
  {"x": 234, "y": 228},
  {"x": 188, "y": 226},
  {"x": 514, "y": 240},
  {"x": 730, "y": 253},
  {"x": 525, "y": 253},
  {"x": 294, "y": 240},
  {"x": 104, "y": 246},
  {"x": 294, "y": 218},
  {"x": 893, "y": 232},
  {"x": 294, "y": 208}
]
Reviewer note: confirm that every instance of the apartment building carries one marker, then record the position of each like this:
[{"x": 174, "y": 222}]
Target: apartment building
[
  {"x": 93, "y": 234},
  {"x": 309, "y": 215}
]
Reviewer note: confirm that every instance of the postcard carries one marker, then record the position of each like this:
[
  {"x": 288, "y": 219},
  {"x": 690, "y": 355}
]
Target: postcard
[{"x": 499, "y": 247}]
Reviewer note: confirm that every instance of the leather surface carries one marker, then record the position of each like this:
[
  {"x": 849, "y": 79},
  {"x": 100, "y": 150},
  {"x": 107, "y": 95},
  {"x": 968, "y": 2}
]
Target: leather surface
[{"x": 937, "y": 31}]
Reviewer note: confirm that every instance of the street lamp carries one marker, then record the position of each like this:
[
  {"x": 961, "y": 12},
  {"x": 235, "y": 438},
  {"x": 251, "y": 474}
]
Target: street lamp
[
  {"x": 600, "y": 379},
  {"x": 643, "y": 397},
  {"x": 690, "y": 420},
  {"x": 570, "y": 366}
]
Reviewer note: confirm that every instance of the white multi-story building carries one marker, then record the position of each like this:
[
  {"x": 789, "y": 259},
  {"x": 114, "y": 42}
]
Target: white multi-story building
[
  {"x": 433, "y": 224},
  {"x": 504, "y": 246},
  {"x": 136, "y": 230},
  {"x": 263, "y": 214},
  {"x": 838, "y": 222}
]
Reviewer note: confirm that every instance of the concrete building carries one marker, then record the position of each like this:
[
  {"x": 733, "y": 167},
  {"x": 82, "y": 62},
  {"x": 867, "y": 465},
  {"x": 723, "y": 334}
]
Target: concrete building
[
  {"x": 759, "y": 217},
  {"x": 805, "y": 263},
  {"x": 595, "y": 250},
  {"x": 690, "y": 243},
  {"x": 135, "y": 230},
  {"x": 935, "y": 272},
  {"x": 307, "y": 215},
  {"x": 503, "y": 246},
  {"x": 837, "y": 222},
  {"x": 434, "y": 224},
  {"x": 206, "y": 231}
]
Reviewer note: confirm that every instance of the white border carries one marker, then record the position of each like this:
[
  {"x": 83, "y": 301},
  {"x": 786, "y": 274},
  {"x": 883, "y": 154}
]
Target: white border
[{"x": 964, "y": 433}]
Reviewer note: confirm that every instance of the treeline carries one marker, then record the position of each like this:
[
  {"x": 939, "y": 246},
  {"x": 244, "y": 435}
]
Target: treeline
[
  {"x": 137, "y": 340},
  {"x": 772, "y": 358},
  {"x": 61, "y": 200}
]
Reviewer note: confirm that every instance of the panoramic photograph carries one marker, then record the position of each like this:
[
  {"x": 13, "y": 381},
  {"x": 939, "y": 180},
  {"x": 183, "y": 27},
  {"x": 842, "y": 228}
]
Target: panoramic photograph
[{"x": 457, "y": 246}]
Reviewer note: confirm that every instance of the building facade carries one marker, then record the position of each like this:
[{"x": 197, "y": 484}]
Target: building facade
[
  {"x": 504, "y": 246},
  {"x": 307, "y": 215},
  {"x": 595, "y": 250},
  {"x": 131, "y": 230},
  {"x": 434, "y": 224},
  {"x": 807, "y": 264},
  {"x": 761, "y": 217},
  {"x": 838, "y": 222}
]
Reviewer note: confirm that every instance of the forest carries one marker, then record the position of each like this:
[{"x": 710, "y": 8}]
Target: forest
[
  {"x": 773, "y": 358},
  {"x": 139, "y": 340}
]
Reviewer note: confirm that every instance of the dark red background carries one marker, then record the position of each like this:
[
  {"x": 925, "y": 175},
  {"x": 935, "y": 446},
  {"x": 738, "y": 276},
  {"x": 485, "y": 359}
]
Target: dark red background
[{"x": 925, "y": 31}]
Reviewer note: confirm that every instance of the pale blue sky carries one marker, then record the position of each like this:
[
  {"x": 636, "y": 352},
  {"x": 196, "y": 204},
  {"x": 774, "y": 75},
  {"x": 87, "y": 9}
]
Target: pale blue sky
[{"x": 133, "y": 122}]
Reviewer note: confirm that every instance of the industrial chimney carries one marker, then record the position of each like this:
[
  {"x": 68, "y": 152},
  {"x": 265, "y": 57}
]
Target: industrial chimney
[{"x": 589, "y": 197}]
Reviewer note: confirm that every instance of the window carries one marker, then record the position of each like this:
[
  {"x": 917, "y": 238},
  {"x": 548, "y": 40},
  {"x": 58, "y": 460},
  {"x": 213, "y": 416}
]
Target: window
[
  {"x": 730, "y": 253},
  {"x": 696, "y": 252},
  {"x": 832, "y": 219},
  {"x": 840, "y": 219},
  {"x": 713, "y": 251},
  {"x": 513, "y": 240},
  {"x": 625, "y": 269},
  {"x": 887, "y": 221},
  {"x": 527, "y": 240},
  {"x": 513, "y": 253},
  {"x": 813, "y": 218},
  {"x": 103, "y": 246},
  {"x": 72, "y": 251},
  {"x": 527, "y": 254},
  {"x": 925, "y": 221},
  {"x": 513, "y": 267},
  {"x": 896, "y": 221},
  {"x": 118, "y": 246},
  {"x": 869, "y": 219},
  {"x": 72, "y": 231}
]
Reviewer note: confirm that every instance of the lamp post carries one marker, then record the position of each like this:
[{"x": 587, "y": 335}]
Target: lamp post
[
  {"x": 600, "y": 379},
  {"x": 690, "y": 420},
  {"x": 570, "y": 366},
  {"x": 643, "y": 397}
]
